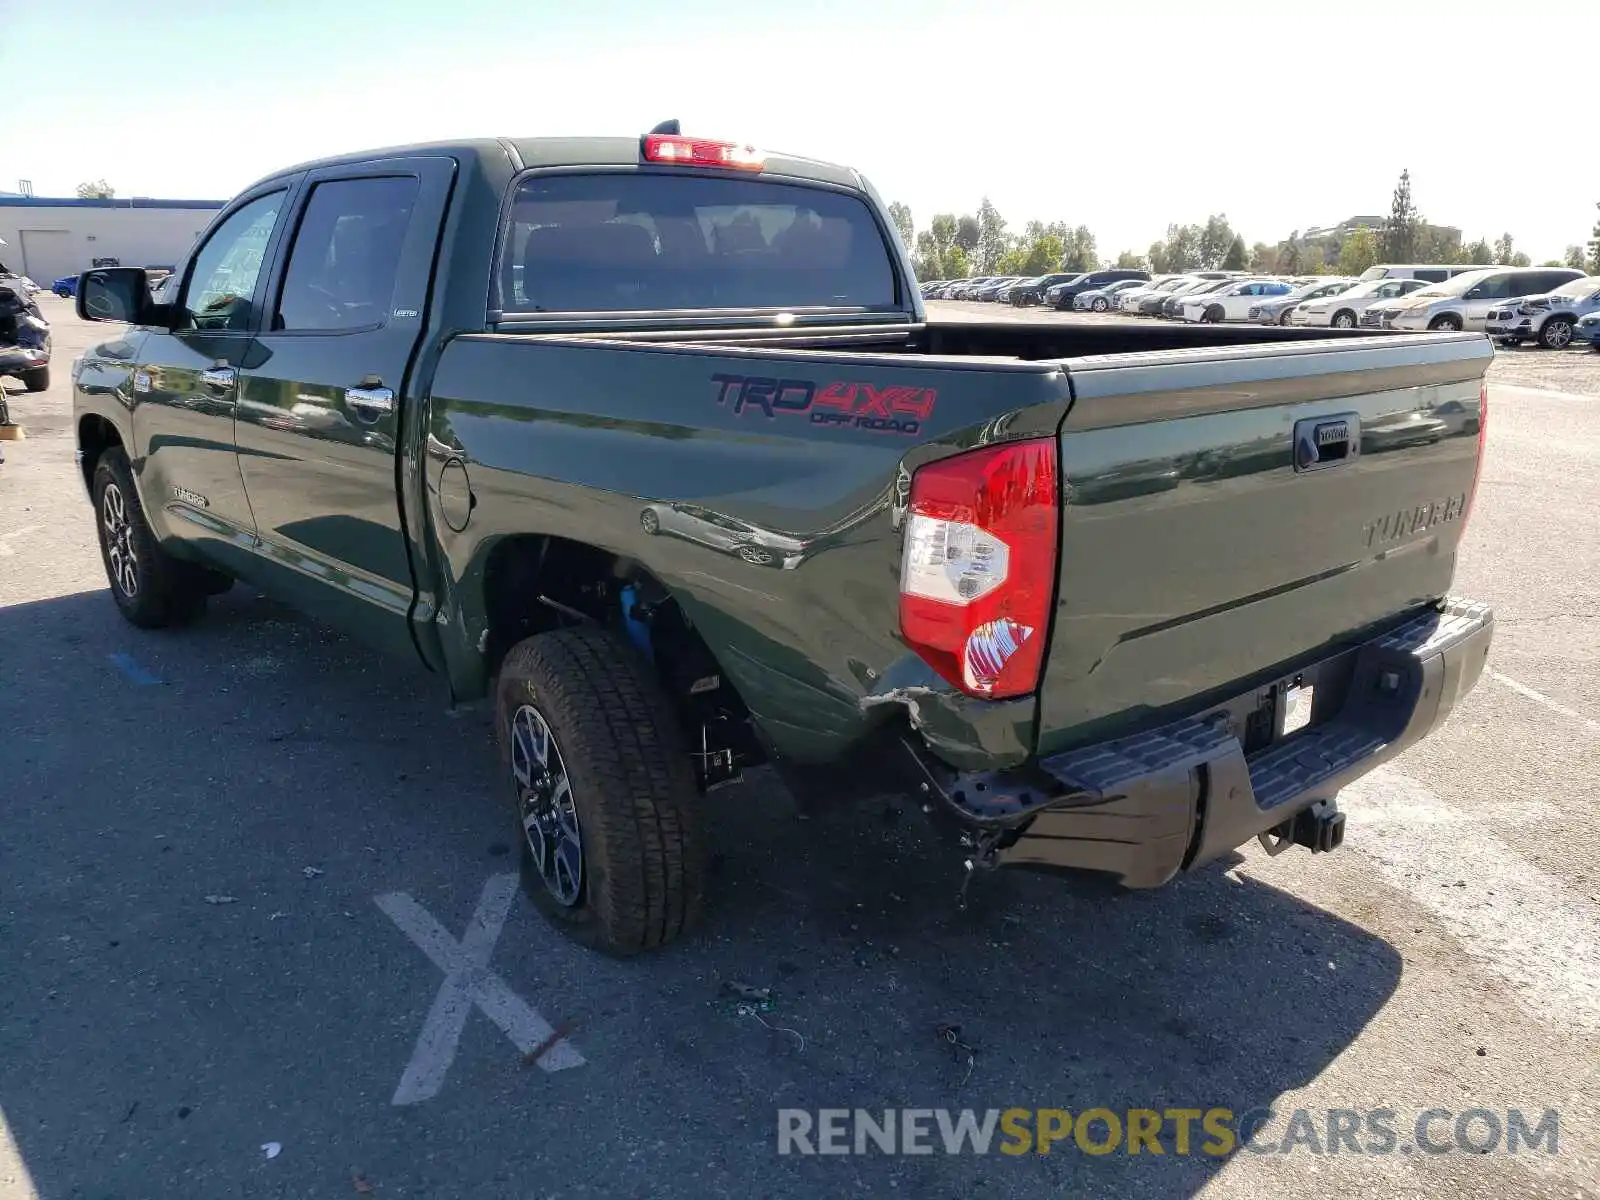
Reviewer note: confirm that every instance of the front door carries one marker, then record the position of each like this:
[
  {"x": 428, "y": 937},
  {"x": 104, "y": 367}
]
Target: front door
[
  {"x": 320, "y": 411},
  {"x": 186, "y": 385}
]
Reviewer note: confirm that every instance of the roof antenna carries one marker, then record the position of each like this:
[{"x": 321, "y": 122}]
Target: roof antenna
[{"x": 668, "y": 128}]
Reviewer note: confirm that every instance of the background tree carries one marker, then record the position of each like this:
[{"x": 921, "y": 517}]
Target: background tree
[
  {"x": 1213, "y": 241},
  {"x": 1359, "y": 251},
  {"x": 1594, "y": 248},
  {"x": 1263, "y": 258},
  {"x": 1399, "y": 241},
  {"x": 1573, "y": 259},
  {"x": 1078, "y": 251},
  {"x": 967, "y": 233},
  {"x": 900, "y": 214},
  {"x": 99, "y": 189},
  {"x": 992, "y": 239},
  {"x": 1130, "y": 261},
  {"x": 1504, "y": 250},
  {"x": 1236, "y": 257},
  {"x": 1480, "y": 253}
]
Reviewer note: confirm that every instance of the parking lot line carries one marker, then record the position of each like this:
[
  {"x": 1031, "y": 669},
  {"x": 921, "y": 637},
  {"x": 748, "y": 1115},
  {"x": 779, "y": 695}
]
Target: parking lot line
[
  {"x": 469, "y": 983},
  {"x": 1554, "y": 706}
]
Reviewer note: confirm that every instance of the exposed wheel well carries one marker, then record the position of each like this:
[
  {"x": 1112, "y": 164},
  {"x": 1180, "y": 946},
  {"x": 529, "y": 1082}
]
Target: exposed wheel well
[
  {"x": 96, "y": 435},
  {"x": 534, "y": 583}
]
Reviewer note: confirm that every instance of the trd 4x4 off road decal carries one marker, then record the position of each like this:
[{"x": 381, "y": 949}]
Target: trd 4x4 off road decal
[{"x": 893, "y": 408}]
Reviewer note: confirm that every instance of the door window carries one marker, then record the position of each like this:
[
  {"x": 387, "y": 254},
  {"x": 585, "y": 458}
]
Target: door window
[
  {"x": 346, "y": 255},
  {"x": 222, "y": 284},
  {"x": 1496, "y": 287}
]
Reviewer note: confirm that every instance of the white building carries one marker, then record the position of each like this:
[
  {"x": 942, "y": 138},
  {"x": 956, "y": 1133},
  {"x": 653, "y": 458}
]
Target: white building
[{"x": 47, "y": 238}]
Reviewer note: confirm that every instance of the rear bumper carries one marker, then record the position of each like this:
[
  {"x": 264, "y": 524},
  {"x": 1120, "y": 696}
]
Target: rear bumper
[
  {"x": 1145, "y": 807},
  {"x": 15, "y": 360}
]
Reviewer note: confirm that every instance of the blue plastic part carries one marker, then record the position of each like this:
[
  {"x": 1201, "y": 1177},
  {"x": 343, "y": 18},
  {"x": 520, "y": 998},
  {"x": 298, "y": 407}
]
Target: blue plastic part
[{"x": 638, "y": 631}]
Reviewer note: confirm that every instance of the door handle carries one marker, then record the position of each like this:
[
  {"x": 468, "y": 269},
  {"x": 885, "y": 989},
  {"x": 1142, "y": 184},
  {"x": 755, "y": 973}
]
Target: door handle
[
  {"x": 219, "y": 377},
  {"x": 370, "y": 402}
]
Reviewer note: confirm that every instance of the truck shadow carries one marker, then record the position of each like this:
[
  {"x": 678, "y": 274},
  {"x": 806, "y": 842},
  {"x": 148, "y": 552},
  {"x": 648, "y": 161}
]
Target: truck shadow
[{"x": 1218, "y": 991}]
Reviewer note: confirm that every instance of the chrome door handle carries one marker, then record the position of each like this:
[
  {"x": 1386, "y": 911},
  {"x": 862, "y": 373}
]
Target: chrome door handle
[
  {"x": 370, "y": 401},
  {"x": 219, "y": 377}
]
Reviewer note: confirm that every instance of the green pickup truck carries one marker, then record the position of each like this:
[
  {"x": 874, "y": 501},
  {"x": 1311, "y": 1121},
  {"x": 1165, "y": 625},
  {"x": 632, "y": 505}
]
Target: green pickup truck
[{"x": 651, "y": 442}]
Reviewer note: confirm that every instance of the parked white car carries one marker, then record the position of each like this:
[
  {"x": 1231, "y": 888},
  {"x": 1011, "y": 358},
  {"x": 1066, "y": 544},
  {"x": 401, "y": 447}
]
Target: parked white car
[
  {"x": 1344, "y": 310},
  {"x": 1233, "y": 302},
  {"x": 1129, "y": 300},
  {"x": 1466, "y": 301}
]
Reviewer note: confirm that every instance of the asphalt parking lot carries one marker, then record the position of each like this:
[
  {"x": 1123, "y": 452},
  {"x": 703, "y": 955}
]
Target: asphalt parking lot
[{"x": 262, "y": 941}]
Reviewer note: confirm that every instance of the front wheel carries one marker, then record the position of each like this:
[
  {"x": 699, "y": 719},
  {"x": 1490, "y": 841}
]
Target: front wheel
[
  {"x": 1556, "y": 334},
  {"x": 605, "y": 800},
  {"x": 151, "y": 588},
  {"x": 37, "y": 380},
  {"x": 1344, "y": 319},
  {"x": 1100, "y": 304},
  {"x": 1448, "y": 323}
]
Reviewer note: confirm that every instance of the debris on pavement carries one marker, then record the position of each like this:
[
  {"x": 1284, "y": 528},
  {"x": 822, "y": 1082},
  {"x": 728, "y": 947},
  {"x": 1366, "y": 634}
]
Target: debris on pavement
[
  {"x": 311, "y": 872},
  {"x": 562, "y": 1030},
  {"x": 272, "y": 1149},
  {"x": 222, "y": 899},
  {"x": 745, "y": 991},
  {"x": 752, "y": 1001},
  {"x": 950, "y": 1035},
  {"x": 359, "y": 1182}
]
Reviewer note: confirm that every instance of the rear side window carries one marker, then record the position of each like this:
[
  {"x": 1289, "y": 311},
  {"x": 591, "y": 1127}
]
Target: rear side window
[
  {"x": 1432, "y": 275},
  {"x": 643, "y": 241},
  {"x": 346, "y": 254}
]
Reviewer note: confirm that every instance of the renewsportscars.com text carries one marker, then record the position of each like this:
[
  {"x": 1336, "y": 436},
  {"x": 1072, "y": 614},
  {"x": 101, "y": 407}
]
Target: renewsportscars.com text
[{"x": 1212, "y": 1132}]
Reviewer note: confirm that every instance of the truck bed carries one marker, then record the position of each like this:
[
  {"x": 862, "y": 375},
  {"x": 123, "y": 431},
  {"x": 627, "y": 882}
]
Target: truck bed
[{"x": 1194, "y": 556}]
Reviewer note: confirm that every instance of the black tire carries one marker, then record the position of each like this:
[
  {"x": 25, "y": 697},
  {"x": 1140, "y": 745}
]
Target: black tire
[
  {"x": 649, "y": 521},
  {"x": 1213, "y": 314},
  {"x": 1556, "y": 334},
  {"x": 37, "y": 380},
  {"x": 152, "y": 589},
  {"x": 1099, "y": 304},
  {"x": 1344, "y": 319},
  {"x": 1449, "y": 323},
  {"x": 1511, "y": 343},
  {"x": 632, "y": 789},
  {"x": 1283, "y": 318}
]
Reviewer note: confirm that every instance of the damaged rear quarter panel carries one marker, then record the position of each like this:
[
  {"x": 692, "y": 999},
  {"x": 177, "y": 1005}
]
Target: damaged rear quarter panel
[{"x": 777, "y": 534}]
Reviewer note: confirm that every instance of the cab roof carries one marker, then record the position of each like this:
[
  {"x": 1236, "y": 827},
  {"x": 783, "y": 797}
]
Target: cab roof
[{"x": 524, "y": 153}]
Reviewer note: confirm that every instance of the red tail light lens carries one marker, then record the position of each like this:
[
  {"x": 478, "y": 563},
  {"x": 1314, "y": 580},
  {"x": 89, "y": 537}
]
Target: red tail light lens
[
  {"x": 978, "y": 570},
  {"x": 698, "y": 152}
]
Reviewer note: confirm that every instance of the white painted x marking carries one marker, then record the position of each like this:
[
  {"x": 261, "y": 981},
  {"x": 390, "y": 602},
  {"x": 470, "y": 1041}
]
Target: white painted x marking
[{"x": 468, "y": 983}]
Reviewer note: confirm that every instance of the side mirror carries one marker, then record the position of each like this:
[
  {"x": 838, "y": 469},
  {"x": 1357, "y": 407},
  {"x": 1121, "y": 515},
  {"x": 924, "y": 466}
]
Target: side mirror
[{"x": 120, "y": 294}]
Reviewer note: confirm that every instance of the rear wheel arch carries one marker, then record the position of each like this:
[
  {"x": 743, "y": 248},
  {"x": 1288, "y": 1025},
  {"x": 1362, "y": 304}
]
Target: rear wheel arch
[{"x": 535, "y": 583}]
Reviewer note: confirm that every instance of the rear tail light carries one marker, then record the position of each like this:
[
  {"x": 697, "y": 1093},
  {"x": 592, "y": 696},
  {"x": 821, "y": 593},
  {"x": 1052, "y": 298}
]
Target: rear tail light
[
  {"x": 698, "y": 152},
  {"x": 978, "y": 570}
]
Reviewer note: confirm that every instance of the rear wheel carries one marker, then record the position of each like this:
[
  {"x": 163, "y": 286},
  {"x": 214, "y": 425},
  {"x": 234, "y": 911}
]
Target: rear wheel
[
  {"x": 605, "y": 800},
  {"x": 1556, "y": 334},
  {"x": 37, "y": 380},
  {"x": 1100, "y": 304},
  {"x": 1213, "y": 314},
  {"x": 1449, "y": 323},
  {"x": 152, "y": 589},
  {"x": 1344, "y": 319}
]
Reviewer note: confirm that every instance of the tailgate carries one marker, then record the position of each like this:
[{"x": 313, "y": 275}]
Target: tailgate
[{"x": 1201, "y": 553}]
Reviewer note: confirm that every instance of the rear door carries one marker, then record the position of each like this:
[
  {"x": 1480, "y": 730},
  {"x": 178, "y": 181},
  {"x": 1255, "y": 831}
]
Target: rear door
[
  {"x": 320, "y": 409},
  {"x": 1202, "y": 545}
]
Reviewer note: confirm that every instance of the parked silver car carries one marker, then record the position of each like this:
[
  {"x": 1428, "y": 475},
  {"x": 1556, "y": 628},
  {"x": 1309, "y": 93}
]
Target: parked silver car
[
  {"x": 1275, "y": 310},
  {"x": 1549, "y": 319}
]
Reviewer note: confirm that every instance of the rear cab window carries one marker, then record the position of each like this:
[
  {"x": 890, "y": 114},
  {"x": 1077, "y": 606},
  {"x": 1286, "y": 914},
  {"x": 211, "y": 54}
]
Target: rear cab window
[{"x": 647, "y": 241}]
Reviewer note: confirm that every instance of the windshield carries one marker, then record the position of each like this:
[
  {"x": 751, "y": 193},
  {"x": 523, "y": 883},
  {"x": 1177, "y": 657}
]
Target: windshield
[
  {"x": 653, "y": 241},
  {"x": 1311, "y": 290},
  {"x": 1579, "y": 289}
]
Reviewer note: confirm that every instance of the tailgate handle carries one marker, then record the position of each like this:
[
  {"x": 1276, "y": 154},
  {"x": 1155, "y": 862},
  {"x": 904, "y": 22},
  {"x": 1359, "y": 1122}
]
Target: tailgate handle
[{"x": 1323, "y": 442}]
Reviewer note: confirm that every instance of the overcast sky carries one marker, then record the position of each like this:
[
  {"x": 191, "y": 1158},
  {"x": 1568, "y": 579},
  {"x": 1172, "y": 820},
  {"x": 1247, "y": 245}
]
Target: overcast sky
[{"x": 1119, "y": 114}]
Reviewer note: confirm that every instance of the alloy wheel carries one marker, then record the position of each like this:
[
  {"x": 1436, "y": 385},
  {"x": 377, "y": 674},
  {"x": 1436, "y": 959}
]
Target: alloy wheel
[
  {"x": 545, "y": 804},
  {"x": 121, "y": 557}
]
